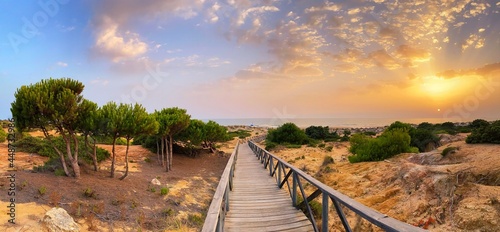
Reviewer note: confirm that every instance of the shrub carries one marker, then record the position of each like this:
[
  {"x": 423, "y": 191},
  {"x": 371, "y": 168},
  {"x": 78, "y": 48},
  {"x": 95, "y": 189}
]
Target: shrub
[
  {"x": 329, "y": 148},
  {"x": 3, "y": 135},
  {"x": 164, "y": 191},
  {"x": 42, "y": 190},
  {"x": 30, "y": 144},
  {"x": 287, "y": 133},
  {"x": 327, "y": 160},
  {"x": 88, "y": 192},
  {"x": 239, "y": 133},
  {"x": 448, "y": 151},
  {"x": 390, "y": 143},
  {"x": 59, "y": 172},
  {"x": 195, "y": 220},
  {"x": 270, "y": 145},
  {"x": 322, "y": 145},
  {"x": 485, "y": 133},
  {"x": 421, "y": 137},
  {"x": 293, "y": 145}
]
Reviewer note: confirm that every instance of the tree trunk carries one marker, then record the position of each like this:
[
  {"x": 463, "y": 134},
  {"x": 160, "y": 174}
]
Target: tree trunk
[
  {"x": 113, "y": 159},
  {"x": 93, "y": 154},
  {"x": 158, "y": 151},
  {"x": 72, "y": 161},
  {"x": 61, "y": 155},
  {"x": 162, "y": 152},
  {"x": 171, "y": 153},
  {"x": 126, "y": 161},
  {"x": 167, "y": 156}
]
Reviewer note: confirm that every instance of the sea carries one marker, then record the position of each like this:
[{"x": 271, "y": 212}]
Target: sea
[{"x": 331, "y": 122}]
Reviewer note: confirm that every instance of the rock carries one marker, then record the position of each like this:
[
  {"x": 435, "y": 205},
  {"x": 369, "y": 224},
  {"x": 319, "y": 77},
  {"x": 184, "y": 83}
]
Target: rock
[
  {"x": 155, "y": 182},
  {"x": 58, "y": 220}
]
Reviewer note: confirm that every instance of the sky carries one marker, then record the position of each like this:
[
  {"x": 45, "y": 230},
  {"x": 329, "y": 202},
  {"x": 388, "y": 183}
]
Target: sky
[{"x": 262, "y": 59}]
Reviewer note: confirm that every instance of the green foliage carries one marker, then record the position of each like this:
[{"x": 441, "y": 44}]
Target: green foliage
[
  {"x": 51, "y": 103},
  {"x": 321, "y": 133},
  {"x": 287, "y": 133},
  {"x": 421, "y": 137},
  {"x": 448, "y": 151},
  {"x": 164, "y": 191},
  {"x": 59, "y": 172},
  {"x": 42, "y": 190},
  {"x": 322, "y": 145},
  {"x": 195, "y": 220},
  {"x": 485, "y": 132},
  {"x": 30, "y": 144},
  {"x": 479, "y": 123},
  {"x": 3, "y": 135},
  {"x": 107, "y": 140},
  {"x": 88, "y": 192},
  {"x": 295, "y": 146},
  {"x": 390, "y": 143},
  {"x": 346, "y": 136},
  {"x": 270, "y": 145},
  {"x": 329, "y": 148},
  {"x": 42, "y": 147},
  {"x": 239, "y": 134}
]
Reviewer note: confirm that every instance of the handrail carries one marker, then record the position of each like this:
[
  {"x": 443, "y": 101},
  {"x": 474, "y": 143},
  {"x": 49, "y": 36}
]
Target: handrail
[
  {"x": 220, "y": 202},
  {"x": 278, "y": 168}
]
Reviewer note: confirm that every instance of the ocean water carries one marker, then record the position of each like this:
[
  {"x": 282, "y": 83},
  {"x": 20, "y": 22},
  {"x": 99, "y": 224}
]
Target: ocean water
[{"x": 331, "y": 122}]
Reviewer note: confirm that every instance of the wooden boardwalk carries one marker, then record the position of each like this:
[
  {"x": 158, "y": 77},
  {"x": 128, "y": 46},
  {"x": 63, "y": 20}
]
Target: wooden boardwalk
[{"x": 256, "y": 203}]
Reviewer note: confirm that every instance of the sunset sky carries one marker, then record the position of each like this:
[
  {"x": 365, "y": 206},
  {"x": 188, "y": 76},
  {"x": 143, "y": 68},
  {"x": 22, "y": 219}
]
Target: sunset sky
[{"x": 268, "y": 58}]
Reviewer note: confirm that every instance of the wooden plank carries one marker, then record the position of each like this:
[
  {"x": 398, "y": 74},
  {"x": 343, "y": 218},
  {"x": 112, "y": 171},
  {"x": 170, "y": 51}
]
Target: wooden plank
[{"x": 256, "y": 203}]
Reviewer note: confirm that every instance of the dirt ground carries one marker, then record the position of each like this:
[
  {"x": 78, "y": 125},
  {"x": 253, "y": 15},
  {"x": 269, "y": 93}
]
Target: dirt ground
[
  {"x": 459, "y": 192},
  {"x": 132, "y": 204}
]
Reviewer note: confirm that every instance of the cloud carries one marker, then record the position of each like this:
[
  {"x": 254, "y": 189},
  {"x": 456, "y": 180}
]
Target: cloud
[
  {"x": 110, "y": 43},
  {"x": 489, "y": 70},
  {"x": 382, "y": 59},
  {"x": 254, "y": 10},
  {"x": 112, "y": 24},
  {"x": 412, "y": 54},
  {"x": 348, "y": 68},
  {"x": 99, "y": 81},
  {"x": 62, "y": 64}
]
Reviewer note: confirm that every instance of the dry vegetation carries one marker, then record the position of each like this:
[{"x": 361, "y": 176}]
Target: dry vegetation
[
  {"x": 458, "y": 192},
  {"x": 100, "y": 203}
]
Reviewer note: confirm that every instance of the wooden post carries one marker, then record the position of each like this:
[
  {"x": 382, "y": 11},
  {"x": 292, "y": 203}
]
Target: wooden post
[
  {"x": 294, "y": 189},
  {"x": 324, "y": 212}
]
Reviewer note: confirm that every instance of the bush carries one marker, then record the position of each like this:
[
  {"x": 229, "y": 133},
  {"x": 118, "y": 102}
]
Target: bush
[
  {"x": 321, "y": 133},
  {"x": 164, "y": 191},
  {"x": 59, "y": 172},
  {"x": 30, "y": 144},
  {"x": 421, "y": 137},
  {"x": 287, "y": 133},
  {"x": 390, "y": 143},
  {"x": 485, "y": 133},
  {"x": 3, "y": 135},
  {"x": 270, "y": 145},
  {"x": 239, "y": 134},
  {"x": 329, "y": 148},
  {"x": 42, "y": 190},
  {"x": 448, "y": 150}
]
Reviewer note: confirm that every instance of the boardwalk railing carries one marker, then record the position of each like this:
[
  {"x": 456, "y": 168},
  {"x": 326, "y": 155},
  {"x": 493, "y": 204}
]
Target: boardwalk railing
[
  {"x": 282, "y": 171},
  {"x": 220, "y": 202}
]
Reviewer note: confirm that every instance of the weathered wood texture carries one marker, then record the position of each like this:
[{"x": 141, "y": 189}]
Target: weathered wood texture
[{"x": 256, "y": 203}]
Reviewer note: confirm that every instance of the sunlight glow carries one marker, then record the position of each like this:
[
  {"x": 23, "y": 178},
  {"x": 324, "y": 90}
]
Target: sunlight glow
[{"x": 437, "y": 86}]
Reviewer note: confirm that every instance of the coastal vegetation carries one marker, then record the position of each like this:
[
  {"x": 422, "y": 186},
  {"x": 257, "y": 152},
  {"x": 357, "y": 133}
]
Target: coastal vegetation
[
  {"x": 72, "y": 126},
  {"x": 484, "y": 132}
]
